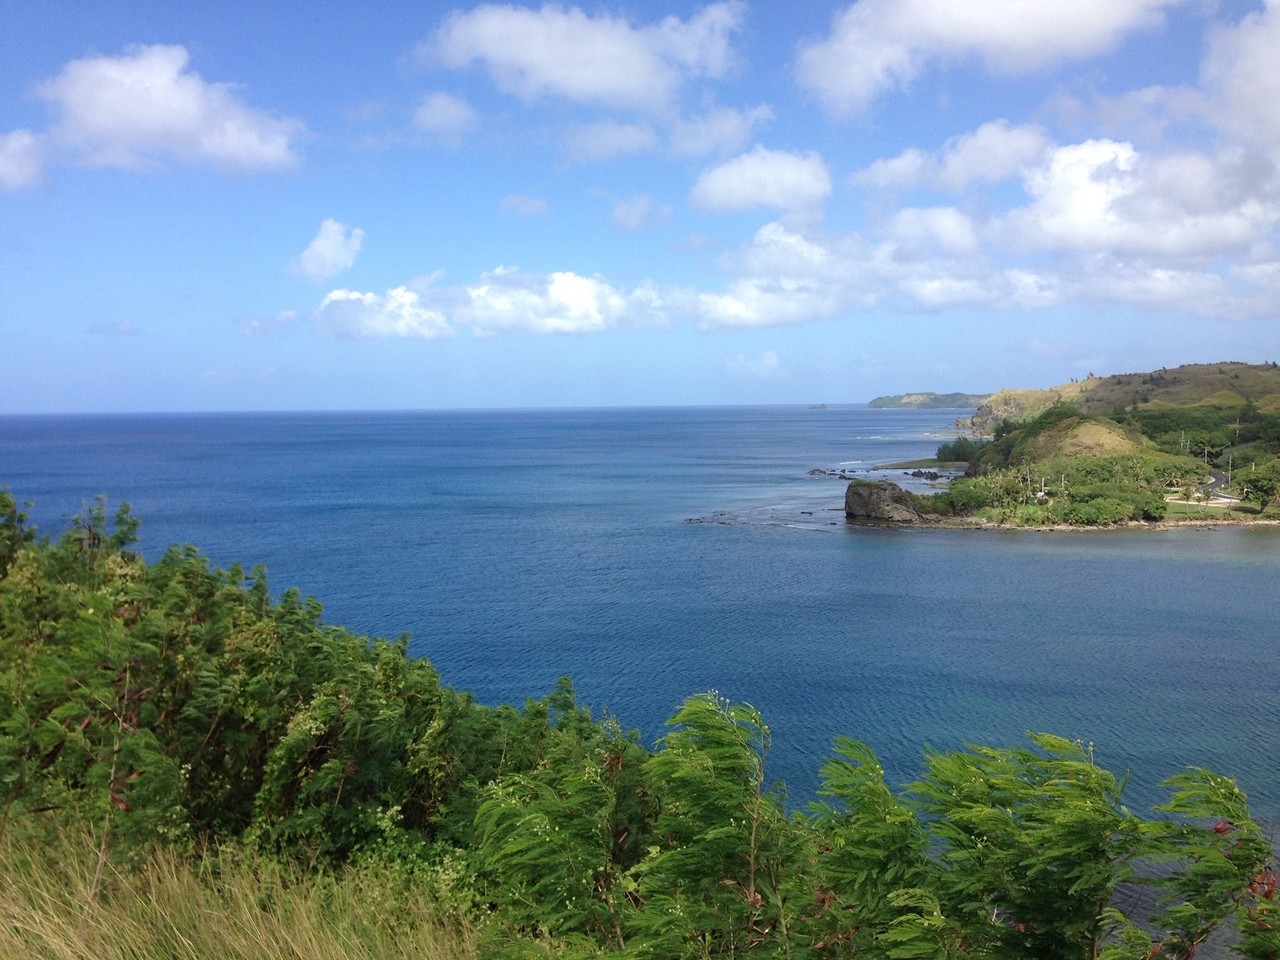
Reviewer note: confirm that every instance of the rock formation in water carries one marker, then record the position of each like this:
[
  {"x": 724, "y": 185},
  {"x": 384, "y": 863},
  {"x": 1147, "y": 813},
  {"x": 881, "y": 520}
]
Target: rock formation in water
[{"x": 879, "y": 501}]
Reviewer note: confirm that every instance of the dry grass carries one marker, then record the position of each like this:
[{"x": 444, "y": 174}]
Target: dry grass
[
  {"x": 1080, "y": 438},
  {"x": 1226, "y": 385},
  {"x": 1269, "y": 404},
  {"x": 233, "y": 907}
]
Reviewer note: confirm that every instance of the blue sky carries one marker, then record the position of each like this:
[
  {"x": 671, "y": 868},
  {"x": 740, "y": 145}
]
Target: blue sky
[{"x": 249, "y": 206}]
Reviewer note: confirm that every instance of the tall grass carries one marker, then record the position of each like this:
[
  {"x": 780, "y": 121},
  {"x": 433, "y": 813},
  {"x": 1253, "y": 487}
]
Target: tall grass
[{"x": 233, "y": 906}]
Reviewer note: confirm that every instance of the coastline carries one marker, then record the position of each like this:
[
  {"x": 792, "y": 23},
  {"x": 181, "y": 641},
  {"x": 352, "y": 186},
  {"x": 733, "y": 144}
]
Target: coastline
[
  {"x": 1155, "y": 526},
  {"x": 892, "y": 473}
]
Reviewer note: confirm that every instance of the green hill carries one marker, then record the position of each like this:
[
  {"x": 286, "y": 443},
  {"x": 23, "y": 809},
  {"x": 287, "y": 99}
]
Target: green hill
[
  {"x": 1135, "y": 446},
  {"x": 926, "y": 400},
  {"x": 1226, "y": 385}
]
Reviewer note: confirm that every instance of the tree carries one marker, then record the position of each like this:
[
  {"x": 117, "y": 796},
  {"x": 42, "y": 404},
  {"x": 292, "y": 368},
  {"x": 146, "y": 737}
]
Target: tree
[
  {"x": 1032, "y": 842},
  {"x": 1262, "y": 486},
  {"x": 719, "y": 874}
]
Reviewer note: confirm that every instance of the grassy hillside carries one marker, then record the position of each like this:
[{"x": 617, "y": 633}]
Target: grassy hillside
[
  {"x": 1077, "y": 437},
  {"x": 1227, "y": 385},
  {"x": 1129, "y": 447}
]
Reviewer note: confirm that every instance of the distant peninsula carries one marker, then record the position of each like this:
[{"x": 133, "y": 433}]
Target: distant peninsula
[
  {"x": 930, "y": 401},
  {"x": 1199, "y": 442}
]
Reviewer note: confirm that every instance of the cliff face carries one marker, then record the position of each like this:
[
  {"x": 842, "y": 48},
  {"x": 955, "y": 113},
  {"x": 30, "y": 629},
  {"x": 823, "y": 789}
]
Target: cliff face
[{"x": 879, "y": 502}]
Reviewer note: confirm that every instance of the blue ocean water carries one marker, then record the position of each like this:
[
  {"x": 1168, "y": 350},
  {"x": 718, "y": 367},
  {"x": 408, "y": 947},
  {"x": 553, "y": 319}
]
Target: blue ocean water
[{"x": 651, "y": 554}]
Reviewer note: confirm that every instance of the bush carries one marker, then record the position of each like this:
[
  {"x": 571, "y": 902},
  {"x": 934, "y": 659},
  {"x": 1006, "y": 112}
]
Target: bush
[{"x": 962, "y": 450}]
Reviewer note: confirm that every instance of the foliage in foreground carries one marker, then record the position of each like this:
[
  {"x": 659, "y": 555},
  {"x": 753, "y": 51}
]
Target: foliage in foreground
[{"x": 164, "y": 709}]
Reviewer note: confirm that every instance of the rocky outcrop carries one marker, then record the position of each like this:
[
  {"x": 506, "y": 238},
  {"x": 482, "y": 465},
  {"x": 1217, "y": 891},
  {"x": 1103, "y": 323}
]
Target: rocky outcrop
[{"x": 879, "y": 501}]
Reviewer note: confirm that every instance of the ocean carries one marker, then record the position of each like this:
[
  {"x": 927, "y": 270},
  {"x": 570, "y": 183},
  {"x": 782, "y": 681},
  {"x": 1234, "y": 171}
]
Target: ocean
[{"x": 650, "y": 554}]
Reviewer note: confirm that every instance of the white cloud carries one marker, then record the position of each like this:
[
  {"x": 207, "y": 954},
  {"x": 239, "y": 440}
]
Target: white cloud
[
  {"x": 718, "y": 130},
  {"x": 1110, "y": 279},
  {"x": 1242, "y": 70},
  {"x": 636, "y": 213},
  {"x": 1075, "y": 193},
  {"x": 564, "y": 52},
  {"x": 504, "y": 300},
  {"x": 881, "y": 45},
  {"x": 400, "y": 313},
  {"x": 523, "y": 205},
  {"x": 768, "y": 302},
  {"x": 1100, "y": 222},
  {"x": 911, "y": 168},
  {"x": 994, "y": 152},
  {"x": 1104, "y": 195},
  {"x": 782, "y": 277},
  {"x": 786, "y": 277},
  {"x": 562, "y": 302},
  {"x": 779, "y": 249},
  {"x": 333, "y": 250},
  {"x": 21, "y": 159},
  {"x": 1265, "y": 274},
  {"x": 940, "y": 292},
  {"x": 444, "y": 116},
  {"x": 945, "y": 228},
  {"x": 145, "y": 107},
  {"x": 764, "y": 178},
  {"x": 607, "y": 139}
]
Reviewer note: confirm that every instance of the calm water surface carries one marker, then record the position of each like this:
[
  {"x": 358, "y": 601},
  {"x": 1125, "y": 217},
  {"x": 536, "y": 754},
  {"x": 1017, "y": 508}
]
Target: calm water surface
[{"x": 515, "y": 547}]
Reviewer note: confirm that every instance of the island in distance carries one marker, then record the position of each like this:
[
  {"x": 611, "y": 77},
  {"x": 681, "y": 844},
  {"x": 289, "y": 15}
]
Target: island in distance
[{"x": 928, "y": 400}]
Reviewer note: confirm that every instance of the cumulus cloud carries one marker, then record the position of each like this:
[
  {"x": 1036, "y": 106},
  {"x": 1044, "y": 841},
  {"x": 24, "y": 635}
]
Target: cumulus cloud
[
  {"x": 764, "y": 178},
  {"x": 783, "y": 276},
  {"x": 401, "y": 312},
  {"x": 1110, "y": 279},
  {"x": 943, "y": 228},
  {"x": 787, "y": 276},
  {"x": 994, "y": 152},
  {"x": 444, "y": 116},
  {"x": 769, "y": 301},
  {"x": 938, "y": 258},
  {"x": 562, "y": 302},
  {"x": 1104, "y": 195},
  {"x": 564, "y": 52},
  {"x": 333, "y": 250},
  {"x": 504, "y": 300},
  {"x": 21, "y": 159},
  {"x": 146, "y": 107},
  {"x": 877, "y": 46},
  {"x": 1243, "y": 73}
]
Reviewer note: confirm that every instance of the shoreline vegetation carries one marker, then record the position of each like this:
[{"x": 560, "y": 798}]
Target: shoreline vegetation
[
  {"x": 1195, "y": 446},
  {"x": 190, "y": 768},
  {"x": 1190, "y": 513}
]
